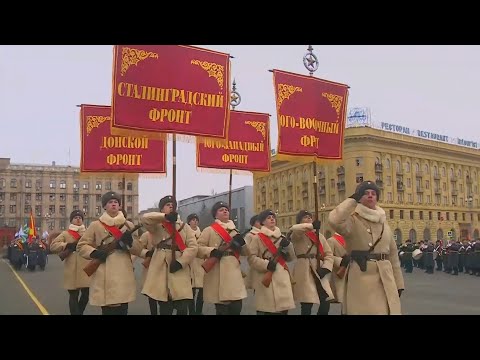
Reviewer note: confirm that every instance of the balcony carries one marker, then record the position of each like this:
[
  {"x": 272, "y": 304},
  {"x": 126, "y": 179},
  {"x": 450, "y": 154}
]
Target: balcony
[
  {"x": 379, "y": 183},
  {"x": 454, "y": 192},
  {"x": 341, "y": 186},
  {"x": 419, "y": 189},
  {"x": 469, "y": 180},
  {"x": 400, "y": 186},
  {"x": 438, "y": 192},
  {"x": 419, "y": 174},
  {"x": 436, "y": 176},
  {"x": 399, "y": 171},
  {"x": 378, "y": 168},
  {"x": 453, "y": 178}
]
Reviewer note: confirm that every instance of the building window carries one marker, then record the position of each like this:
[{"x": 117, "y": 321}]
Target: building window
[
  {"x": 85, "y": 186},
  {"x": 429, "y": 199},
  {"x": 76, "y": 184},
  {"x": 13, "y": 183},
  {"x": 28, "y": 197},
  {"x": 13, "y": 209},
  {"x": 387, "y": 163},
  {"x": 129, "y": 186},
  {"x": 398, "y": 166},
  {"x": 389, "y": 180},
  {"x": 63, "y": 184},
  {"x": 98, "y": 186},
  {"x": 411, "y": 214},
  {"x": 435, "y": 170},
  {"x": 426, "y": 169},
  {"x": 444, "y": 186},
  {"x": 38, "y": 210},
  {"x": 63, "y": 224},
  {"x": 358, "y": 161},
  {"x": 51, "y": 209},
  {"x": 407, "y": 167},
  {"x": 108, "y": 185},
  {"x": 389, "y": 196},
  {"x": 120, "y": 186},
  {"x": 130, "y": 211},
  {"x": 13, "y": 196},
  {"x": 63, "y": 210},
  {"x": 85, "y": 197},
  {"x": 463, "y": 216},
  {"x": 52, "y": 184},
  {"x": 391, "y": 214},
  {"x": 2, "y": 210},
  {"x": 448, "y": 216},
  {"x": 98, "y": 211},
  {"x": 85, "y": 210},
  {"x": 28, "y": 184},
  {"x": 409, "y": 182},
  {"x": 2, "y": 196},
  {"x": 455, "y": 216},
  {"x": 98, "y": 198},
  {"x": 410, "y": 198},
  {"x": 76, "y": 197},
  {"x": 427, "y": 184},
  {"x": 444, "y": 171},
  {"x": 439, "y": 215},
  {"x": 63, "y": 197},
  {"x": 359, "y": 178},
  {"x": 75, "y": 207},
  {"x": 429, "y": 215},
  {"x": 129, "y": 198},
  {"x": 420, "y": 215},
  {"x": 401, "y": 214},
  {"x": 52, "y": 197},
  {"x": 445, "y": 200},
  {"x": 417, "y": 168},
  {"x": 2, "y": 183},
  {"x": 420, "y": 198},
  {"x": 27, "y": 209}
]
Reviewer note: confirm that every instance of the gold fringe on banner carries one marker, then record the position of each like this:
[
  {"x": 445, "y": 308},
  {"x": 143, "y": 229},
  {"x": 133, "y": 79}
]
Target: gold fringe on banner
[
  {"x": 113, "y": 174},
  {"x": 307, "y": 159},
  {"x": 138, "y": 133},
  {"x": 152, "y": 176},
  {"x": 223, "y": 171}
]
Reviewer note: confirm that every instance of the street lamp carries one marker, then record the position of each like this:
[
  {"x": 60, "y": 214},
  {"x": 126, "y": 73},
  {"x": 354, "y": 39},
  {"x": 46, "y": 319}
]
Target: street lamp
[{"x": 49, "y": 221}]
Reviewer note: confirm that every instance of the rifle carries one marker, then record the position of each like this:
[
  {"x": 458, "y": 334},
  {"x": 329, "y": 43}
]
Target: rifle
[
  {"x": 212, "y": 261},
  {"x": 267, "y": 278},
  {"x": 67, "y": 252},
  {"x": 93, "y": 265}
]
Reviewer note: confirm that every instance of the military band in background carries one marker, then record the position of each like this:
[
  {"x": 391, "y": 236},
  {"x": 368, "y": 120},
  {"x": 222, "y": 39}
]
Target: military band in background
[{"x": 184, "y": 266}]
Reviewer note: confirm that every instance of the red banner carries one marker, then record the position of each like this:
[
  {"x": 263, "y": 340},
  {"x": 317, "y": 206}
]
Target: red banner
[
  {"x": 311, "y": 116},
  {"x": 171, "y": 89},
  {"x": 103, "y": 152},
  {"x": 247, "y": 147}
]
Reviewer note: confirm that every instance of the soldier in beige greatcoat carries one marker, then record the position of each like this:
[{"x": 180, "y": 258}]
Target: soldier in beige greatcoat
[
  {"x": 277, "y": 298},
  {"x": 196, "y": 271},
  {"x": 313, "y": 267},
  {"x": 340, "y": 260},
  {"x": 373, "y": 280},
  {"x": 113, "y": 284},
  {"x": 75, "y": 280},
  {"x": 168, "y": 278},
  {"x": 147, "y": 244},
  {"x": 223, "y": 285}
]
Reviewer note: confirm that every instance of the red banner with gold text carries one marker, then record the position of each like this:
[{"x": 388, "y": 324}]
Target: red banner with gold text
[
  {"x": 311, "y": 116},
  {"x": 171, "y": 89},
  {"x": 247, "y": 147},
  {"x": 104, "y": 152}
]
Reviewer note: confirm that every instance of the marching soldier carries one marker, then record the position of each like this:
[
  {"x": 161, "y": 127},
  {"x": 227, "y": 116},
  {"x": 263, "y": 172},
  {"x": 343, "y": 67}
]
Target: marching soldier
[
  {"x": 428, "y": 257},
  {"x": 146, "y": 241},
  {"x": 314, "y": 262},
  {"x": 340, "y": 263},
  {"x": 374, "y": 280},
  {"x": 196, "y": 271},
  {"x": 222, "y": 244},
  {"x": 452, "y": 249},
  {"x": 439, "y": 250},
  {"x": 112, "y": 285},
  {"x": 407, "y": 250},
  {"x": 476, "y": 258},
  {"x": 255, "y": 229},
  {"x": 461, "y": 255},
  {"x": 168, "y": 279},
  {"x": 271, "y": 280},
  {"x": 75, "y": 280}
]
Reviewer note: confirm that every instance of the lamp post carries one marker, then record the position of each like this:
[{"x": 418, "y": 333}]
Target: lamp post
[
  {"x": 469, "y": 201},
  {"x": 49, "y": 221}
]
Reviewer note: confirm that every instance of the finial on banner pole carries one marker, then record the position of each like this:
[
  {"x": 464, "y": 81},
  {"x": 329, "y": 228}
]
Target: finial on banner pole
[{"x": 310, "y": 61}]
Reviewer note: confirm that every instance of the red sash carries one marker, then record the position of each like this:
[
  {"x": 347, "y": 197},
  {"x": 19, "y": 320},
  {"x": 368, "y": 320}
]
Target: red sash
[
  {"x": 74, "y": 234},
  {"x": 272, "y": 248},
  {"x": 113, "y": 230},
  {"x": 340, "y": 239},
  {"x": 313, "y": 237},
  {"x": 224, "y": 235},
  {"x": 178, "y": 238}
]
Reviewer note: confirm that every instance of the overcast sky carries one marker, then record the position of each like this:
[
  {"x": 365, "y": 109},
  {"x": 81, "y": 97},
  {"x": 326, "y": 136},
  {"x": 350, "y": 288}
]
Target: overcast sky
[{"x": 431, "y": 88}]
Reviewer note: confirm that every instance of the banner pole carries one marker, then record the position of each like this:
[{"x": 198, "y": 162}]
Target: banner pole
[{"x": 235, "y": 100}]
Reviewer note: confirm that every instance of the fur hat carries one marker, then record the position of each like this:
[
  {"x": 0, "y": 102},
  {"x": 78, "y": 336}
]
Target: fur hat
[
  {"x": 368, "y": 185},
  {"x": 302, "y": 214},
  {"x": 217, "y": 206},
  {"x": 109, "y": 196},
  {"x": 191, "y": 217},
  {"x": 264, "y": 214},
  {"x": 165, "y": 200},
  {"x": 76, "y": 213},
  {"x": 253, "y": 220}
]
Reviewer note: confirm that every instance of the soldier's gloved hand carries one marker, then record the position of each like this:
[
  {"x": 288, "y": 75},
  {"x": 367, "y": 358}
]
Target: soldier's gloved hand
[
  {"x": 99, "y": 254},
  {"x": 345, "y": 260},
  {"x": 284, "y": 242},
  {"x": 322, "y": 272},
  {"x": 174, "y": 267},
  {"x": 172, "y": 217},
  {"x": 216, "y": 253},
  {"x": 127, "y": 238},
  {"x": 356, "y": 196},
  {"x": 237, "y": 242},
  {"x": 149, "y": 253},
  {"x": 71, "y": 246},
  {"x": 400, "y": 291},
  {"x": 272, "y": 265},
  {"x": 283, "y": 252},
  {"x": 316, "y": 224}
]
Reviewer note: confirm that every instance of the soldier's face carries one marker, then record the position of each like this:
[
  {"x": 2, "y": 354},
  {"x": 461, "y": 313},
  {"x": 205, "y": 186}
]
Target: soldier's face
[
  {"x": 307, "y": 219},
  {"x": 369, "y": 199},
  {"x": 270, "y": 222},
  {"x": 223, "y": 214},
  {"x": 112, "y": 207},
  {"x": 193, "y": 223},
  {"x": 77, "y": 220},
  {"x": 167, "y": 208}
]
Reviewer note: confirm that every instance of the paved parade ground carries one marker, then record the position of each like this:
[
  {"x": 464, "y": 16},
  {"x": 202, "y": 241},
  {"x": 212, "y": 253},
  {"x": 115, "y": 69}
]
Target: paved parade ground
[{"x": 41, "y": 292}]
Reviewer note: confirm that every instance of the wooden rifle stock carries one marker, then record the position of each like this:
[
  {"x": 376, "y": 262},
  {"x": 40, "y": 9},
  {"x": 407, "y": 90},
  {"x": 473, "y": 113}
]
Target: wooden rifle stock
[
  {"x": 66, "y": 253},
  {"x": 93, "y": 265},
  {"x": 267, "y": 278},
  {"x": 212, "y": 260}
]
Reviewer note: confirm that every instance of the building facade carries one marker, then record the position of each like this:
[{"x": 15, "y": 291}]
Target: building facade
[
  {"x": 240, "y": 212},
  {"x": 52, "y": 192},
  {"x": 429, "y": 189}
]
